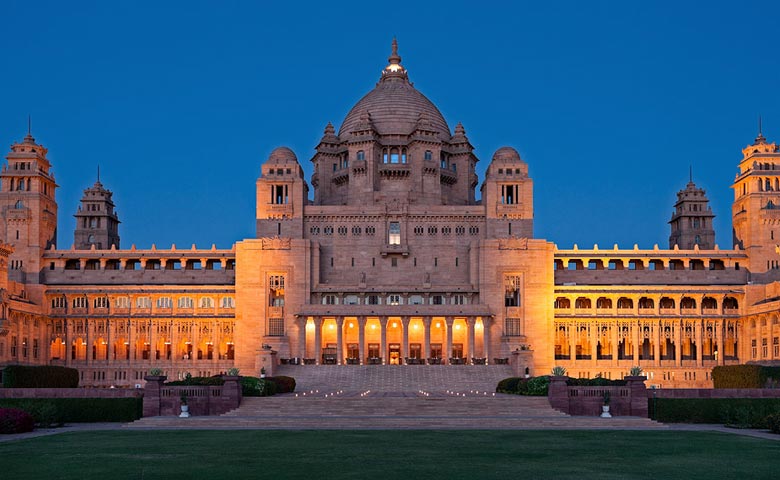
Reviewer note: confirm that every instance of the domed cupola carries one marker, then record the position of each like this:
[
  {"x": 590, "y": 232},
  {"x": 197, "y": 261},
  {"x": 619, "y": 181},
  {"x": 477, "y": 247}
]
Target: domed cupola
[{"x": 394, "y": 106}]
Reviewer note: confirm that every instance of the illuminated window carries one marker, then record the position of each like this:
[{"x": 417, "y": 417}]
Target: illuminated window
[{"x": 394, "y": 233}]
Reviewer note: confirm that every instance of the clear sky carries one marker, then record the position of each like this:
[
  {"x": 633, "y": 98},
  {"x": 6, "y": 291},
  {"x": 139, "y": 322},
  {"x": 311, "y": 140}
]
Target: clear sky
[{"x": 181, "y": 102}]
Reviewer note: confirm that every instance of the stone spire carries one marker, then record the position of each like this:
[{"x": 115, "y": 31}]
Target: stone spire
[
  {"x": 760, "y": 139},
  {"x": 394, "y": 69}
]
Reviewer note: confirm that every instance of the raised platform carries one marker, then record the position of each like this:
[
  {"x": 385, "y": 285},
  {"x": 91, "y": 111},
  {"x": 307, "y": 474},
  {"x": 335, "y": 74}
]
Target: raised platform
[
  {"x": 396, "y": 378},
  {"x": 396, "y": 410}
]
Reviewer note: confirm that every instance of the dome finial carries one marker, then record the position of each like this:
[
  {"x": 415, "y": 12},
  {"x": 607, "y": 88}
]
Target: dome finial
[
  {"x": 394, "y": 58},
  {"x": 760, "y": 139},
  {"x": 394, "y": 69}
]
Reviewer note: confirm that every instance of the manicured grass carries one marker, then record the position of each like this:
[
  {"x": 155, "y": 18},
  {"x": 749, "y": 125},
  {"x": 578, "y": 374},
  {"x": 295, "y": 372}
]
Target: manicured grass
[{"x": 116, "y": 455}]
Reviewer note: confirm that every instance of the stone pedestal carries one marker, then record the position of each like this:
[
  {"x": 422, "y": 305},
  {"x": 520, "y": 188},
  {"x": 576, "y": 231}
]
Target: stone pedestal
[
  {"x": 520, "y": 360},
  {"x": 558, "y": 393},
  {"x": 231, "y": 391},
  {"x": 266, "y": 358},
  {"x": 152, "y": 395},
  {"x": 638, "y": 392}
]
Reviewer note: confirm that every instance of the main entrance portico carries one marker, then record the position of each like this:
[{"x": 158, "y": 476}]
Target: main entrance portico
[{"x": 414, "y": 339}]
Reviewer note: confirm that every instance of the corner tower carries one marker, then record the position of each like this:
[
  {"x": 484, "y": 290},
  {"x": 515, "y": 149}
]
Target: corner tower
[
  {"x": 691, "y": 221},
  {"x": 28, "y": 209},
  {"x": 756, "y": 208},
  {"x": 97, "y": 223}
]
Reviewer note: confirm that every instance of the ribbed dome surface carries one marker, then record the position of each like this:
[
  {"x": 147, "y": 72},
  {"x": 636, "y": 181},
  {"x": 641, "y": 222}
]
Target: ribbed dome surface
[{"x": 395, "y": 107}]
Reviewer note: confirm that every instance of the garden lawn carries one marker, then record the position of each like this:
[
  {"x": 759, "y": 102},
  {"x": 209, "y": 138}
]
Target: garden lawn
[{"x": 236, "y": 454}]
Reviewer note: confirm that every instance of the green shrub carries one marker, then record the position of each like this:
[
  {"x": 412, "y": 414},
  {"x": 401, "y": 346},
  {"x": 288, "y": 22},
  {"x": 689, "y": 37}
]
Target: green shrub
[
  {"x": 745, "y": 376},
  {"x": 14, "y": 420},
  {"x": 773, "y": 422},
  {"x": 257, "y": 387},
  {"x": 537, "y": 386},
  {"x": 284, "y": 384},
  {"x": 740, "y": 412},
  {"x": 198, "y": 382},
  {"x": 508, "y": 385},
  {"x": 56, "y": 411},
  {"x": 20, "y": 376},
  {"x": 595, "y": 382}
]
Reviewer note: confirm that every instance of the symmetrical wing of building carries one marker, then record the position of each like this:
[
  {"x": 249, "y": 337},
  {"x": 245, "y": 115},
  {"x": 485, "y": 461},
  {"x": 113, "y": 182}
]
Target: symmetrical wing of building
[{"x": 390, "y": 260}]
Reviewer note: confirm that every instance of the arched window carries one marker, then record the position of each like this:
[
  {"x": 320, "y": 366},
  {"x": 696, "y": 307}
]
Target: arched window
[
  {"x": 19, "y": 204},
  {"x": 394, "y": 158},
  {"x": 384, "y": 155},
  {"x": 403, "y": 155},
  {"x": 428, "y": 155},
  {"x": 582, "y": 302},
  {"x": 21, "y": 184},
  {"x": 361, "y": 155},
  {"x": 603, "y": 302},
  {"x": 91, "y": 239}
]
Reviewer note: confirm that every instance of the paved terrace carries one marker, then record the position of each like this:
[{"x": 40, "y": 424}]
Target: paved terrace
[{"x": 396, "y": 378}]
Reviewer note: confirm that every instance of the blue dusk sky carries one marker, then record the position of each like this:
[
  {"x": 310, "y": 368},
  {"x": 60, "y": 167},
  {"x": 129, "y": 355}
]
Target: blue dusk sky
[{"x": 180, "y": 103}]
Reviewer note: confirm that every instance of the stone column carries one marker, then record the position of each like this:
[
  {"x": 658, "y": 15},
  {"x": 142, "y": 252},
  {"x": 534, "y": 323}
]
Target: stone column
[
  {"x": 109, "y": 343},
  {"x": 448, "y": 321},
  {"x": 719, "y": 342},
  {"x": 340, "y": 340},
  {"x": 383, "y": 339},
  {"x": 195, "y": 340},
  {"x": 697, "y": 327},
  {"x": 153, "y": 342},
  {"x": 90, "y": 339},
  {"x": 68, "y": 341},
  {"x": 594, "y": 334},
  {"x": 317, "y": 340},
  {"x": 615, "y": 343},
  {"x": 426, "y": 337},
  {"x": 472, "y": 352},
  {"x": 678, "y": 341},
  {"x": 657, "y": 343},
  {"x": 486, "y": 322},
  {"x": 362, "y": 339},
  {"x": 637, "y": 336},
  {"x": 301, "y": 337},
  {"x": 405, "y": 323},
  {"x": 131, "y": 340}
]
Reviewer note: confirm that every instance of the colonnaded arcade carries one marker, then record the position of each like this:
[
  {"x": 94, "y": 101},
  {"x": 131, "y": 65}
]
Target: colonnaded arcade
[{"x": 390, "y": 260}]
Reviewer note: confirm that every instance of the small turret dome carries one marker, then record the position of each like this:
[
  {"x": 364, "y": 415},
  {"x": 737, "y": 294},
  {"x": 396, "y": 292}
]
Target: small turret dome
[{"x": 282, "y": 156}]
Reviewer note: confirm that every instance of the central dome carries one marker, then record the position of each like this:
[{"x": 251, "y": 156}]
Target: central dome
[{"x": 394, "y": 106}]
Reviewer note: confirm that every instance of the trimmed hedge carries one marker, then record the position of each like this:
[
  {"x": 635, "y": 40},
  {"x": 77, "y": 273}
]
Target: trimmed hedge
[
  {"x": 257, "y": 387},
  {"x": 56, "y": 411},
  {"x": 14, "y": 420},
  {"x": 20, "y": 376},
  {"x": 284, "y": 384},
  {"x": 745, "y": 376},
  {"x": 198, "y": 381},
  {"x": 773, "y": 423},
  {"x": 534, "y": 386},
  {"x": 739, "y": 412},
  {"x": 595, "y": 382}
]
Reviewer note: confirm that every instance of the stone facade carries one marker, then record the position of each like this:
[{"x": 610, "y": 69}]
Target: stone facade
[{"x": 390, "y": 259}]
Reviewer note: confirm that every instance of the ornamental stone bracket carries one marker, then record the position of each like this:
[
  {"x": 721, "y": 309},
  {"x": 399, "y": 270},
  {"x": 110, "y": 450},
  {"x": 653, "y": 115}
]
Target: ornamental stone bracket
[{"x": 276, "y": 243}]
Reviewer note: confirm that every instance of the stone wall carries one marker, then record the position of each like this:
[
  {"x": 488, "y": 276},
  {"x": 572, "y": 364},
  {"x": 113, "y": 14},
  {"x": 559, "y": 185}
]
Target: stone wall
[
  {"x": 70, "y": 392},
  {"x": 162, "y": 400},
  {"x": 630, "y": 399},
  {"x": 713, "y": 393}
]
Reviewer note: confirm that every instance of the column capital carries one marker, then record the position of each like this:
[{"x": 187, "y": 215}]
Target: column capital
[
  {"x": 470, "y": 321},
  {"x": 383, "y": 320},
  {"x": 427, "y": 321},
  {"x": 340, "y": 320},
  {"x": 405, "y": 321},
  {"x": 317, "y": 321},
  {"x": 362, "y": 320},
  {"x": 449, "y": 320}
]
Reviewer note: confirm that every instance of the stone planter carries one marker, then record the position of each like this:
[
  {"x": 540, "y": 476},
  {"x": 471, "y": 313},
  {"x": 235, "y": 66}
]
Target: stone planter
[
  {"x": 605, "y": 412},
  {"x": 185, "y": 411}
]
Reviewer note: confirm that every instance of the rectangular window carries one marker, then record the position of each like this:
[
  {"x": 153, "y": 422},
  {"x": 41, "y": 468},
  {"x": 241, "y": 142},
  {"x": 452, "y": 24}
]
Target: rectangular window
[
  {"x": 394, "y": 262},
  {"x": 276, "y": 327},
  {"x": 373, "y": 300},
  {"x": 164, "y": 302},
  {"x": 394, "y": 233},
  {"x": 394, "y": 300},
  {"x": 227, "y": 302},
  {"x": 512, "y": 284},
  {"x": 143, "y": 302},
  {"x": 512, "y": 327}
]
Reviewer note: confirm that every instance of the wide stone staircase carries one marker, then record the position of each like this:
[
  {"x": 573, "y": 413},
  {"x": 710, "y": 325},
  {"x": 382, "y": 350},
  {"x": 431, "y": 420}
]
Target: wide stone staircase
[{"x": 391, "y": 397}]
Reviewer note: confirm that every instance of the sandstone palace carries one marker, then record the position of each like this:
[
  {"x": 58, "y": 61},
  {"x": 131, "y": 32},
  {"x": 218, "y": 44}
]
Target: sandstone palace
[{"x": 386, "y": 257}]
